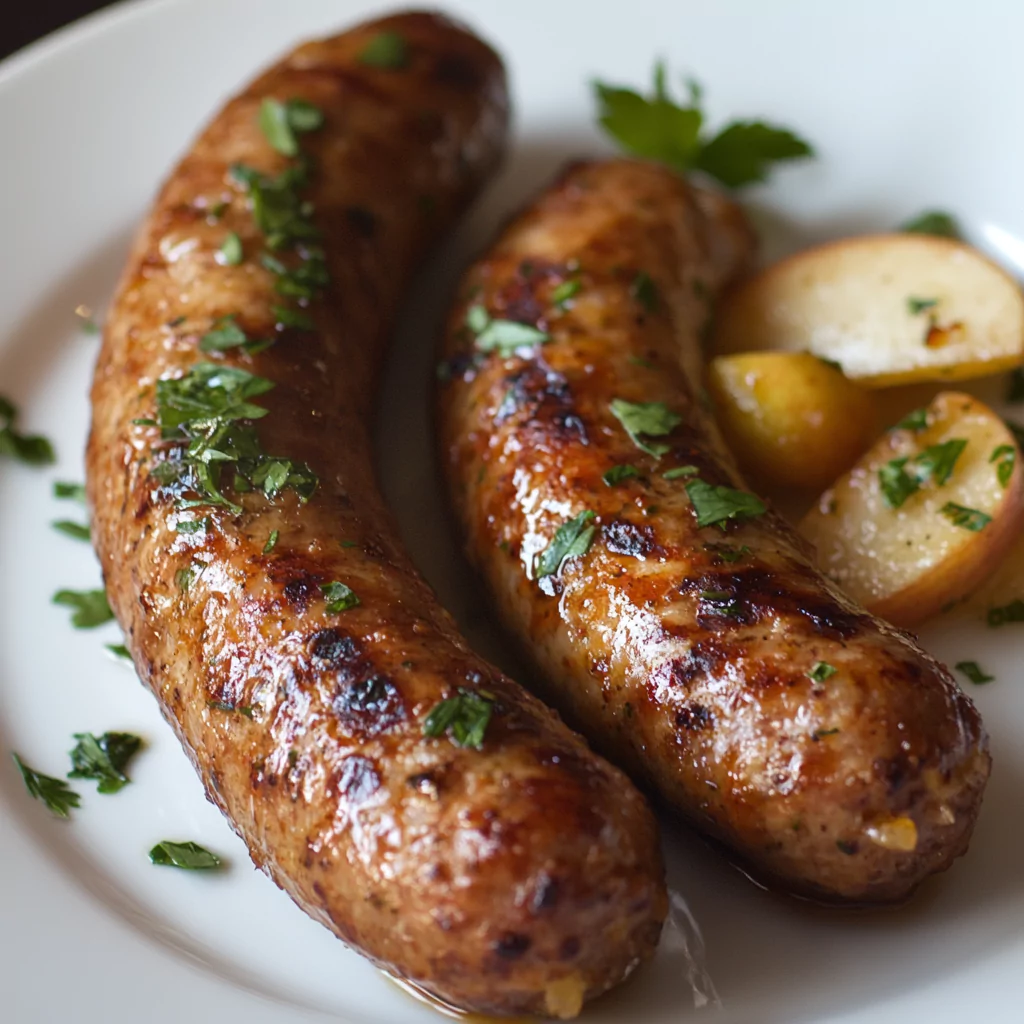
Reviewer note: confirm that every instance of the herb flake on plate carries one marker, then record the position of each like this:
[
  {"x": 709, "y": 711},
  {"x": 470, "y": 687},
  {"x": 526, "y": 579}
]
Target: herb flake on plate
[
  {"x": 188, "y": 856},
  {"x": 104, "y": 758},
  {"x": 30, "y": 449},
  {"x": 56, "y": 794},
  {"x": 89, "y": 607}
]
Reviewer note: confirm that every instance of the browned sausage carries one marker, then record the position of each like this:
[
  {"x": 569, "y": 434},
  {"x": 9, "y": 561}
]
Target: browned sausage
[
  {"x": 712, "y": 661},
  {"x": 263, "y": 592}
]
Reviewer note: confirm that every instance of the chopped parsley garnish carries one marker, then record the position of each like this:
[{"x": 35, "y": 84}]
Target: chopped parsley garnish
[
  {"x": 917, "y": 306},
  {"x": 306, "y": 280},
  {"x": 184, "y": 578},
  {"x": 279, "y": 123},
  {"x": 58, "y": 796},
  {"x": 296, "y": 318},
  {"x": 722, "y": 602},
  {"x": 1005, "y": 456},
  {"x": 726, "y": 552},
  {"x": 241, "y": 709},
  {"x": 915, "y": 421},
  {"x": 192, "y": 526},
  {"x": 32, "y": 449},
  {"x": 644, "y": 291},
  {"x": 69, "y": 491},
  {"x": 226, "y": 334},
  {"x": 659, "y": 128},
  {"x": 895, "y": 484},
  {"x": 821, "y": 671},
  {"x": 78, "y": 531},
  {"x": 502, "y": 336},
  {"x": 933, "y": 222},
  {"x": 898, "y": 479},
  {"x": 1015, "y": 392},
  {"x": 104, "y": 758},
  {"x": 614, "y": 476},
  {"x": 1000, "y": 616},
  {"x": 271, "y": 541},
  {"x": 188, "y": 856},
  {"x": 974, "y": 672},
  {"x": 967, "y": 518},
  {"x": 387, "y": 50},
  {"x": 936, "y": 462},
  {"x": 819, "y": 734},
  {"x": 561, "y": 295},
  {"x": 464, "y": 718},
  {"x": 283, "y": 216},
  {"x": 646, "y": 419},
  {"x": 572, "y": 538},
  {"x": 680, "y": 471},
  {"x": 206, "y": 407},
  {"x": 339, "y": 597},
  {"x": 714, "y": 505},
  {"x": 90, "y": 607},
  {"x": 230, "y": 252},
  {"x": 119, "y": 651}
]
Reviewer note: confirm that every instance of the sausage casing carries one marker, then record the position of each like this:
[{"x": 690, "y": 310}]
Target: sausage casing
[
  {"x": 286, "y": 635},
  {"x": 824, "y": 747}
]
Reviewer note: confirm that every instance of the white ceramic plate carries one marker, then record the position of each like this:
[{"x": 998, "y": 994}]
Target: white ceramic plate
[{"x": 910, "y": 105}]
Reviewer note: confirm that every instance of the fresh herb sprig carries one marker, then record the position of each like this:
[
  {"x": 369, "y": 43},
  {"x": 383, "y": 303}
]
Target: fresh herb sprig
[{"x": 658, "y": 127}]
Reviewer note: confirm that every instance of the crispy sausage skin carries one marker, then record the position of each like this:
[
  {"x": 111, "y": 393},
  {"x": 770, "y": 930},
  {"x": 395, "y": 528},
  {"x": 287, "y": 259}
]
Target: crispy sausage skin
[
  {"x": 523, "y": 876},
  {"x": 686, "y": 654}
]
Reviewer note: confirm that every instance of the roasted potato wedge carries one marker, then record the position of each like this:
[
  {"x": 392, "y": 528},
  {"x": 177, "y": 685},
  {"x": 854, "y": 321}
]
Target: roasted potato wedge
[
  {"x": 790, "y": 418},
  {"x": 890, "y": 309},
  {"x": 926, "y": 514}
]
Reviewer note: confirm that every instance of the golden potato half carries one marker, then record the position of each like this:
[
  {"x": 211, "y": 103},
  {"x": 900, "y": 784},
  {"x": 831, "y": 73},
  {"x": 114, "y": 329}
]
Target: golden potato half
[
  {"x": 890, "y": 309},
  {"x": 926, "y": 514}
]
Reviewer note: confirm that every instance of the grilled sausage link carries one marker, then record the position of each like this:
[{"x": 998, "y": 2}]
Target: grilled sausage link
[
  {"x": 821, "y": 745},
  {"x": 290, "y": 643}
]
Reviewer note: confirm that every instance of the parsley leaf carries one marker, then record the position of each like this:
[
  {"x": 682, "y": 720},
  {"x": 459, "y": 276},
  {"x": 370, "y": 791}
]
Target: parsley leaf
[
  {"x": 967, "y": 518},
  {"x": 502, "y": 336},
  {"x": 464, "y": 718},
  {"x": 1000, "y": 616},
  {"x": 55, "y": 793},
  {"x": 90, "y": 607},
  {"x": 339, "y": 597},
  {"x": 104, "y": 758},
  {"x": 644, "y": 291},
  {"x": 561, "y": 295},
  {"x": 78, "y": 531},
  {"x": 280, "y": 121},
  {"x": 821, "y": 671},
  {"x": 898, "y": 479},
  {"x": 714, "y": 505},
  {"x": 743, "y": 152},
  {"x": 614, "y": 476},
  {"x": 645, "y": 419},
  {"x": 271, "y": 541},
  {"x": 572, "y": 538},
  {"x": 188, "y": 856},
  {"x": 658, "y": 128},
  {"x": 119, "y": 652},
  {"x": 726, "y": 552},
  {"x": 226, "y": 334},
  {"x": 680, "y": 471},
  {"x": 204, "y": 407},
  {"x": 387, "y": 50},
  {"x": 31, "y": 449},
  {"x": 933, "y": 222},
  {"x": 277, "y": 208},
  {"x": 230, "y": 252},
  {"x": 1005, "y": 456},
  {"x": 974, "y": 672},
  {"x": 916, "y": 306},
  {"x": 936, "y": 462},
  {"x": 69, "y": 491},
  {"x": 915, "y": 421}
]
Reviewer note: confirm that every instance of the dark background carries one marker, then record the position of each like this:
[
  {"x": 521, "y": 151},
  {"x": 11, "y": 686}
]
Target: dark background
[{"x": 26, "y": 20}]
